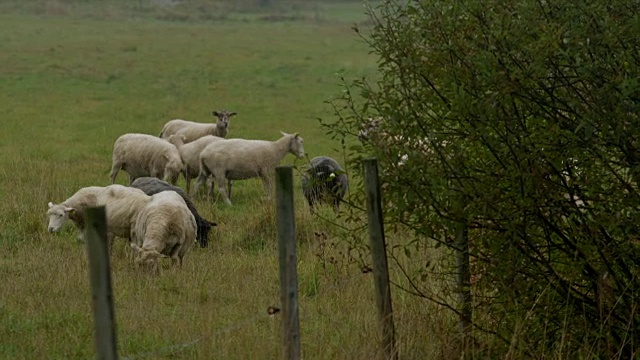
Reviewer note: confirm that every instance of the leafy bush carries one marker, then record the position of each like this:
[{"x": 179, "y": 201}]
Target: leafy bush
[{"x": 517, "y": 121}]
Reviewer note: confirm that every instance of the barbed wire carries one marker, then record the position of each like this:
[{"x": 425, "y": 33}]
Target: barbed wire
[{"x": 271, "y": 311}]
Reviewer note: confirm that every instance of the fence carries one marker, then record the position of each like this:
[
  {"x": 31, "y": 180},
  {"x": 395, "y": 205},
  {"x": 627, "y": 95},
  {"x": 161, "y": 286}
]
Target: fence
[{"x": 102, "y": 299}]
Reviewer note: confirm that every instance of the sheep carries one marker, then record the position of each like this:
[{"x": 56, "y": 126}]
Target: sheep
[
  {"x": 194, "y": 130},
  {"x": 164, "y": 228},
  {"x": 239, "y": 159},
  {"x": 122, "y": 206},
  {"x": 152, "y": 186},
  {"x": 73, "y": 209},
  {"x": 145, "y": 155},
  {"x": 371, "y": 132},
  {"x": 190, "y": 154},
  {"x": 324, "y": 181}
]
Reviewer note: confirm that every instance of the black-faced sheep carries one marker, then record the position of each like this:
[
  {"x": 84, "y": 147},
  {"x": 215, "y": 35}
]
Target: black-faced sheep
[
  {"x": 152, "y": 186},
  {"x": 145, "y": 155},
  {"x": 164, "y": 228},
  {"x": 324, "y": 181},
  {"x": 238, "y": 159},
  {"x": 194, "y": 130},
  {"x": 122, "y": 207}
]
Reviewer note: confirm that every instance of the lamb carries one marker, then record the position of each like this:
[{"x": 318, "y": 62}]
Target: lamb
[
  {"x": 122, "y": 206},
  {"x": 164, "y": 228},
  {"x": 145, "y": 155},
  {"x": 239, "y": 159},
  {"x": 190, "y": 154},
  {"x": 152, "y": 186},
  {"x": 324, "y": 181},
  {"x": 194, "y": 130}
]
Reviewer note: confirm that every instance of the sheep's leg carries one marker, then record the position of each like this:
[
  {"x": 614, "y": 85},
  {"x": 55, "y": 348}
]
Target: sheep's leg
[
  {"x": 187, "y": 179},
  {"x": 115, "y": 169},
  {"x": 202, "y": 177},
  {"x": 266, "y": 182},
  {"x": 222, "y": 188},
  {"x": 210, "y": 186},
  {"x": 229, "y": 187}
]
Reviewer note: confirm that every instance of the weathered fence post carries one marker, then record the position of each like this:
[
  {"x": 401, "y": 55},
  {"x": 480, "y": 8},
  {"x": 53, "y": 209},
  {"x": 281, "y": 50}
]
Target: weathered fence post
[
  {"x": 100, "y": 275},
  {"x": 287, "y": 257},
  {"x": 379, "y": 255}
]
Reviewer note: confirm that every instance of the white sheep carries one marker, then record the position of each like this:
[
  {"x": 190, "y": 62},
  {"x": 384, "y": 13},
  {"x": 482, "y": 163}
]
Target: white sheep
[
  {"x": 164, "y": 228},
  {"x": 190, "y": 154},
  {"x": 194, "y": 130},
  {"x": 122, "y": 207},
  {"x": 238, "y": 159},
  {"x": 145, "y": 155}
]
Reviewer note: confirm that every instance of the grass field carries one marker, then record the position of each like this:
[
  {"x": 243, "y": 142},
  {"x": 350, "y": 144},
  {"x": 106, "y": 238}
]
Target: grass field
[{"x": 75, "y": 77}]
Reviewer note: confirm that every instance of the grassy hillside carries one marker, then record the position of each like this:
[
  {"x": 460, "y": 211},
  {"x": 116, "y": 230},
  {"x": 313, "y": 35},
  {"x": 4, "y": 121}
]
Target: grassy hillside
[{"x": 74, "y": 77}]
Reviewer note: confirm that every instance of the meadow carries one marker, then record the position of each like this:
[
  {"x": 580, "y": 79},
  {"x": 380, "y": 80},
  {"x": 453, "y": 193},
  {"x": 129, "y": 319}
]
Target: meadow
[{"x": 74, "y": 78}]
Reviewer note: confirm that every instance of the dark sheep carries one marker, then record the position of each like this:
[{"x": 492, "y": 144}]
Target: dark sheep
[
  {"x": 324, "y": 181},
  {"x": 151, "y": 186}
]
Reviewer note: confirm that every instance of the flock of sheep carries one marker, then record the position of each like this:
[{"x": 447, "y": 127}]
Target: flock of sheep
[{"x": 158, "y": 217}]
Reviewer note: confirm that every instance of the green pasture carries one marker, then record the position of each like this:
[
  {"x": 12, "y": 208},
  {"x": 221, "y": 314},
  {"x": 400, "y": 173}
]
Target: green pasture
[{"x": 74, "y": 76}]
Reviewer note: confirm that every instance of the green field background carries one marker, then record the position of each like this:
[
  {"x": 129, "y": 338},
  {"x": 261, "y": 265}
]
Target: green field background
[{"x": 75, "y": 75}]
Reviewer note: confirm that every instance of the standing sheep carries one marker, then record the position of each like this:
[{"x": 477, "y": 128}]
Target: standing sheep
[
  {"x": 194, "y": 130},
  {"x": 152, "y": 186},
  {"x": 145, "y": 155},
  {"x": 122, "y": 207},
  {"x": 324, "y": 181},
  {"x": 190, "y": 154},
  {"x": 164, "y": 228},
  {"x": 238, "y": 159}
]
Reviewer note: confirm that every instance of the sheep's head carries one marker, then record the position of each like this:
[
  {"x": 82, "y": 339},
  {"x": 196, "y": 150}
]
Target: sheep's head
[
  {"x": 297, "y": 144},
  {"x": 177, "y": 140},
  {"x": 147, "y": 258},
  {"x": 173, "y": 168},
  {"x": 224, "y": 117},
  {"x": 58, "y": 215},
  {"x": 204, "y": 226}
]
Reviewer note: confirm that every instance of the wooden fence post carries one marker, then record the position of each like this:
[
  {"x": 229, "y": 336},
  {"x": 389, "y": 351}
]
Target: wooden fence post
[
  {"x": 287, "y": 257},
  {"x": 379, "y": 255},
  {"x": 100, "y": 275}
]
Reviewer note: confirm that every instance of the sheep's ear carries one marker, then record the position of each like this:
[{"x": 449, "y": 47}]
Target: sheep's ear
[
  {"x": 215, "y": 113},
  {"x": 296, "y": 135},
  {"x": 211, "y": 223},
  {"x": 233, "y": 114},
  {"x": 69, "y": 210},
  {"x": 283, "y": 133},
  {"x": 50, "y": 204}
]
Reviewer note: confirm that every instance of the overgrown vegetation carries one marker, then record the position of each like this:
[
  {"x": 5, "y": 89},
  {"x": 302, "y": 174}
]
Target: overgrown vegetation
[{"x": 519, "y": 122}]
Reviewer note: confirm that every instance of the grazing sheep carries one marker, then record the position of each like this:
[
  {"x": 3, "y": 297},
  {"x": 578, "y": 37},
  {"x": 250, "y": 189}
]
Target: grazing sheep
[
  {"x": 73, "y": 209},
  {"x": 194, "y": 130},
  {"x": 152, "y": 186},
  {"x": 324, "y": 181},
  {"x": 145, "y": 155},
  {"x": 190, "y": 154},
  {"x": 238, "y": 159},
  {"x": 122, "y": 206},
  {"x": 164, "y": 228}
]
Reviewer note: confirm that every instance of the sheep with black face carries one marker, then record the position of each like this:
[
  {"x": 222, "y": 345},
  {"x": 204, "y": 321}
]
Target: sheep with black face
[{"x": 324, "y": 181}]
